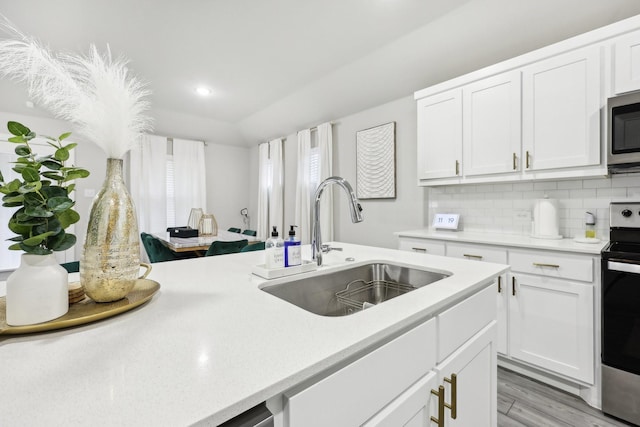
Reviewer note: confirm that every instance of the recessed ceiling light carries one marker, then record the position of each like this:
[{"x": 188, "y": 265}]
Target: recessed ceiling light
[{"x": 203, "y": 91}]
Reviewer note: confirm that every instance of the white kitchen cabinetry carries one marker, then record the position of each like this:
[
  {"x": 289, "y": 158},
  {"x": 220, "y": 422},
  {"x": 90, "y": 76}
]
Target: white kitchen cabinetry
[
  {"x": 546, "y": 307},
  {"x": 561, "y": 110},
  {"x": 491, "y": 125},
  {"x": 469, "y": 376},
  {"x": 499, "y": 256},
  {"x": 413, "y": 408},
  {"x": 392, "y": 385},
  {"x": 422, "y": 246},
  {"x": 551, "y": 318},
  {"x": 626, "y": 65},
  {"x": 440, "y": 135}
]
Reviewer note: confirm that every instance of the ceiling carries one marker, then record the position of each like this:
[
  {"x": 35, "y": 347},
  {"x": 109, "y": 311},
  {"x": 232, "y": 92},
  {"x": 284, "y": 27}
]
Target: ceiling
[{"x": 277, "y": 66}]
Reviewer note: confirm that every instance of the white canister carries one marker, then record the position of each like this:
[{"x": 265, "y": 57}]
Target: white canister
[{"x": 545, "y": 219}]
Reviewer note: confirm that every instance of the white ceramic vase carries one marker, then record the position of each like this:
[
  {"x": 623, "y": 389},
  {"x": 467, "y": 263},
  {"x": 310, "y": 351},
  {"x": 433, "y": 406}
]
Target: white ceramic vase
[{"x": 37, "y": 291}]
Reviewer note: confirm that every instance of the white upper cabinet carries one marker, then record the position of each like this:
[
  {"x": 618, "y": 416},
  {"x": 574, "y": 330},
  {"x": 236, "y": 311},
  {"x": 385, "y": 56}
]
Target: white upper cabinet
[
  {"x": 491, "y": 125},
  {"x": 440, "y": 135},
  {"x": 561, "y": 110},
  {"x": 626, "y": 66}
]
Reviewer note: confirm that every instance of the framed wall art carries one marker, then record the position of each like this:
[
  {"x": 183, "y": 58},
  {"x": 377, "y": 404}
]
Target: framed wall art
[{"x": 376, "y": 162}]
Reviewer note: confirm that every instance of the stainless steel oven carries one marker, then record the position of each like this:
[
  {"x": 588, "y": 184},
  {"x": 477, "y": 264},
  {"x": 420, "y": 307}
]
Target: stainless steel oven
[
  {"x": 623, "y": 133},
  {"x": 621, "y": 314}
]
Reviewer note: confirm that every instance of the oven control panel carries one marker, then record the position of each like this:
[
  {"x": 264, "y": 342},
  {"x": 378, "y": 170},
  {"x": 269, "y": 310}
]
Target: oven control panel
[{"x": 625, "y": 214}]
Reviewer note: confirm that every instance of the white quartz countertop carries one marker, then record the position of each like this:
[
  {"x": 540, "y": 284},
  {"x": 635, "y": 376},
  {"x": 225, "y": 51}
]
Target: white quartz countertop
[
  {"x": 564, "y": 245},
  {"x": 209, "y": 345}
]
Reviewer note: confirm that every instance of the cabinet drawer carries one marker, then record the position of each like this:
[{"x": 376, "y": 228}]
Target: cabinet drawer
[
  {"x": 552, "y": 264},
  {"x": 432, "y": 247},
  {"x": 356, "y": 392},
  {"x": 477, "y": 252},
  {"x": 462, "y": 321}
]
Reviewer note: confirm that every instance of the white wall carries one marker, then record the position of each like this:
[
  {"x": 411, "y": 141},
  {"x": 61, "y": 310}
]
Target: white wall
[{"x": 228, "y": 184}]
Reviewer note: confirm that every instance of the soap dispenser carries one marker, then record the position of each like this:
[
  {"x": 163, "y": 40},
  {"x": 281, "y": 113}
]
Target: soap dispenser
[
  {"x": 292, "y": 249},
  {"x": 589, "y": 225},
  {"x": 274, "y": 250}
]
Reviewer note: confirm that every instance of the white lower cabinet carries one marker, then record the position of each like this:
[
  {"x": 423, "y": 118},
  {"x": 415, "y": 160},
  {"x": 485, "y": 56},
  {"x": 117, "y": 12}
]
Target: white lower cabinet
[
  {"x": 402, "y": 383},
  {"x": 551, "y": 324},
  {"x": 469, "y": 376},
  {"x": 546, "y": 307},
  {"x": 414, "y": 408}
]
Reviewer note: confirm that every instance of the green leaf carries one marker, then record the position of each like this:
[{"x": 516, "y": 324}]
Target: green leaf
[
  {"x": 18, "y": 129},
  {"x": 59, "y": 204},
  {"x": 11, "y": 204},
  {"x": 53, "y": 175},
  {"x": 38, "y": 212},
  {"x": 71, "y": 146},
  {"x": 64, "y": 136},
  {"x": 61, "y": 242},
  {"x": 62, "y": 154},
  {"x": 68, "y": 217},
  {"x": 14, "y": 185},
  {"x": 1, "y": 177},
  {"x": 30, "y": 174},
  {"x": 53, "y": 191},
  {"x": 70, "y": 188},
  {"x": 13, "y": 198},
  {"x": 50, "y": 225},
  {"x": 36, "y": 240},
  {"x": 17, "y": 139},
  {"x": 15, "y": 247},
  {"x": 33, "y": 199},
  {"x": 16, "y": 239},
  {"x": 52, "y": 164},
  {"x": 77, "y": 173},
  {"x": 35, "y": 250},
  {"x": 30, "y": 187},
  {"x": 22, "y": 150}
]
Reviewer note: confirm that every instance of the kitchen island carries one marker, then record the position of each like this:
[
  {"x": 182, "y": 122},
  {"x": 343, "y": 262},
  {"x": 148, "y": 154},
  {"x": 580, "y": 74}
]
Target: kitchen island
[{"x": 210, "y": 344}]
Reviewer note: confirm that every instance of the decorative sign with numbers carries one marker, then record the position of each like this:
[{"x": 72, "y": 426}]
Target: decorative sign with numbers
[{"x": 446, "y": 221}]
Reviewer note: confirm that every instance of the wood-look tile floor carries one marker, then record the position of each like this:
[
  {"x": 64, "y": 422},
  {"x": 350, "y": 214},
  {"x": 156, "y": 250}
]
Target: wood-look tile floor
[{"x": 526, "y": 402}]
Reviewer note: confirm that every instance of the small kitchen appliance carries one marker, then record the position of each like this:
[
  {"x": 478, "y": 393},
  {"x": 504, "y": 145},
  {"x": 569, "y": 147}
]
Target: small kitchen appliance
[
  {"x": 621, "y": 314},
  {"x": 623, "y": 133},
  {"x": 545, "y": 219}
]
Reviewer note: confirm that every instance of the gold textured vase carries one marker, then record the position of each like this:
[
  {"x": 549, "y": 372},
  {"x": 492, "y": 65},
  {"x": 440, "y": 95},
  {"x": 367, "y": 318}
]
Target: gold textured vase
[{"x": 111, "y": 258}]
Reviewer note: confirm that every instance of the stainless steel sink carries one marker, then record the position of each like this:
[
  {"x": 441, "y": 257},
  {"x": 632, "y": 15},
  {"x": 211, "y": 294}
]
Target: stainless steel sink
[{"x": 344, "y": 292}]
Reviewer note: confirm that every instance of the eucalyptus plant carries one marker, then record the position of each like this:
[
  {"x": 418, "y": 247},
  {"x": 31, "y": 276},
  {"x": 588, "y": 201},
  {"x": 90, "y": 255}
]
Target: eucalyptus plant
[{"x": 45, "y": 209}]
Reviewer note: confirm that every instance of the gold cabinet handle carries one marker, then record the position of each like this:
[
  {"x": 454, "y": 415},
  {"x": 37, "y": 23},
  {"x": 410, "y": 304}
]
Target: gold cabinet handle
[
  {"x": 440, "y": 393},
  {"x": 472, "y": 256},
  {"x": 515, "y": 166},
  {"x": 419, "y": 249},
  {"x": 541, "y": 264},
  {"x": 527, "y": 160},
  {"x": 513, "y": 286},
  {"x": 499, "y": 284},
  {"x": 453, "y": 406},
  {"x": 457, "y": 167}
]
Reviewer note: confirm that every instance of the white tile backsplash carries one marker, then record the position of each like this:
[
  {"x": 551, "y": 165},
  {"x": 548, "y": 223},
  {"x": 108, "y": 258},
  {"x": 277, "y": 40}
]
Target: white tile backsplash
[{"x": 492, "y": 208}]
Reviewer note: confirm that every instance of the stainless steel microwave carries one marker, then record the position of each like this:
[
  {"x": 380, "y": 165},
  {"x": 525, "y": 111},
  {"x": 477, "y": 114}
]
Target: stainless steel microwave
[{"x": 623, "y": 133}]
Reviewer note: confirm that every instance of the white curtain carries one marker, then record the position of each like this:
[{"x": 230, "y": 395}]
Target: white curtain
[
  {"x": 262, "y": 229},
  {"x": 270, "y": 188},
  {"x": 276, "y": 195},
  {"x": 314, "y": 166},
  {"x": 189, "y": 178},
  {"x": 325, "y": 153},
  {"x": 304, "y": 192},
  {"x": 147, "y": 178}
]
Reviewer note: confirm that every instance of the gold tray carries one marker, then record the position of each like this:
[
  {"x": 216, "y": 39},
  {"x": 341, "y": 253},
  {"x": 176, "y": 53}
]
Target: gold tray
[{"x": 85, "y": 311}]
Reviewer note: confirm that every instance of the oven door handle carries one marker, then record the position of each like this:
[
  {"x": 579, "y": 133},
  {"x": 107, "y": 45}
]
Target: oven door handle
[{"x": 621, "y": 266}]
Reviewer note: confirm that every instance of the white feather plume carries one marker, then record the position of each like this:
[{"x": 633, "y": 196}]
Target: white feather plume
[{"x": 94, "y": 92}]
